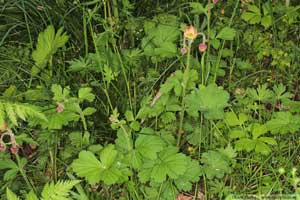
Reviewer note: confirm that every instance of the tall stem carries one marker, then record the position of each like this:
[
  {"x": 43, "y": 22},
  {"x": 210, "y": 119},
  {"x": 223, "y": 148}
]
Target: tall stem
[{"x": 184, "y": 85}]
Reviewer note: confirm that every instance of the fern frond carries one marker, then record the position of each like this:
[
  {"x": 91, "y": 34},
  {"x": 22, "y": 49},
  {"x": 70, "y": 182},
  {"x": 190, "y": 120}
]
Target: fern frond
[
  {"x": 58, "y": 191},
  {"x": 13, "y": 111}
]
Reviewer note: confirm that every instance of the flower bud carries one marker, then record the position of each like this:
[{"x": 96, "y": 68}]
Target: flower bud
[
  {"x": 60, "y": 107},
  {"x": 183, "y": 50},
  {"x": 190, "y": 32},
  {"x": 215, "y": 1},
  {"x": 202, "y": 47},
  {"x": 14, "y": 149},
  {"x": 2, "y": 147}
]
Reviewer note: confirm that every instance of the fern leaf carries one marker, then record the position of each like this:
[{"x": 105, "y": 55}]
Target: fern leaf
[
  {"x": 9, "y": 108},
  {"x": 13, "y": 111},
  {"x": 2, "y": 114},
  {"x": 58, "y": 191}
]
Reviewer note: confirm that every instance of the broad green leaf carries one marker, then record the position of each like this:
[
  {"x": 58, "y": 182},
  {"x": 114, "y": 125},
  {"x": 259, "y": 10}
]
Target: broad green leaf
[
  {"x": 86, "y": 94},
  {"x": 170, "y": 164},
  {"x": 262, "y": 148},
  {"x": 210, "y": 100},
  {"x": 245, "y": 144},
  {"x": 268, "y": 140},
  {"x": 108, "y": 170},
  {"x": 192, "y": 175},
  {"x": 237, "y": 133},
  {"x": 283, "y": 123},
  {"x": 233, "y": 120},
  {"x": 216, "y": 164},
  {"x": 10, "y": 195},
  {"x": 88, "y": 166},
  {"x": 148, "y": 146},
  {"x": 226, "y": 33},
  {"x": 259, "y": 130},
  {"x": 266, "y": 21}
]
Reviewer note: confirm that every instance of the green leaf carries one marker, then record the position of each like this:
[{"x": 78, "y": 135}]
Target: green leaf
[
  {"x": 197, "y": 8},
  {"x": 210, "y": 100},
  {"x": 58, "y": 191},
  {"x": 258, "y": 130},
  {"x": 170, "y": 164},
  {"x": 86, "y": 94},
  {"x": 31, "y": 196},
  {"x": 232, "y": 120},
  {"x": 266, "y": 21},
  {"x": 89, "y": 111},
  {"x": 262, "y": 148},
  {"x": 10, "y": 195},
  {"x": 245, "y": 144},
  {"x": 148, "y": 146},
  {"x": 237, "y": 133},
  {"x": 283, "y": 123},
  {"x": 47, "y": 45},
  {"x": 226, "y": 33},
  {"x": 261, "y": 94},
  {"x": 192, "y": 175},
  {"x": 93, "y": 170},
  {"x": 215, "y": 164},
  {"x": 88, "y": 166}
]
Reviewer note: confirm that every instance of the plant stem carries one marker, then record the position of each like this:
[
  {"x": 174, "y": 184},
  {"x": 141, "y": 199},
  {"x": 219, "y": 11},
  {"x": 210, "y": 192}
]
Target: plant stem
[
  {"x": 184, "y": 85},
  {"x": 24, "y": 174}
]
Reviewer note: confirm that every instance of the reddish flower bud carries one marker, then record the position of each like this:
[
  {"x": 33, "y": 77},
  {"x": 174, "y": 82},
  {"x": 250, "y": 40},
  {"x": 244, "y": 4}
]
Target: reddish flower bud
[
  {"x": 2, "y": 147},
  {"x": 60, "y": 107},
  {"x": 202, "y": 47},
  {"x": 215, "y": 1},
  {"x": 183, "y": 50},
  {"x": 190, "y": 32},
  {"x": 14, "y": 149}
]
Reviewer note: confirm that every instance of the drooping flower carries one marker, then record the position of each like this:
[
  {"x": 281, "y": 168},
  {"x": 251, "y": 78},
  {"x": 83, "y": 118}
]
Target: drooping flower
[
  {"x": 183, "y": 50},
  {"x": 202, "y": 47},
  {"x": 215, "y": 1},
  {"x": 14, "y": 149},
  {"x": 60, "y": 107},
  {"x": 190, "y": 32},
  {"x": 2, "y": 147}
]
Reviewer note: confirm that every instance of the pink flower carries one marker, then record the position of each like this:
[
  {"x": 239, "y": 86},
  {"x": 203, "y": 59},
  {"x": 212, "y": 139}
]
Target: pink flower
[
  {"x": 60, "y": 107},
  {"x": 202, "y": 47},
  {"x": 183, "y": 50},
  {"x": 14, "y": 149},
  {"x": 2, "y": 147},
  {"x": 215, "y": 1}
]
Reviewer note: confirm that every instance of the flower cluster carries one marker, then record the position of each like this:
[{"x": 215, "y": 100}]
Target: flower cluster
[
  {"x": 190, "y": 34},
  {"x": 14, "y": 149}
]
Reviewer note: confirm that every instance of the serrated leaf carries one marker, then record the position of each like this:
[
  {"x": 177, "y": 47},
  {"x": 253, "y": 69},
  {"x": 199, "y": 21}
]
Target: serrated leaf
[
  {"x": 170, "y": 164},
  {"x": 88, "y": 166},
  {"x": 86, "y": 94},
  {"x": 283, "y": 123},
  {"x": 47, "y": 45},
  {"x": 210, "y": 100},
  {"x": 148, "y": 146},
  {"x": 226, "y": 33},
  {"x": 192, "y": 175},
  {"x": 93, "y": 170},
  {"x": 259, "y": 130}
]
